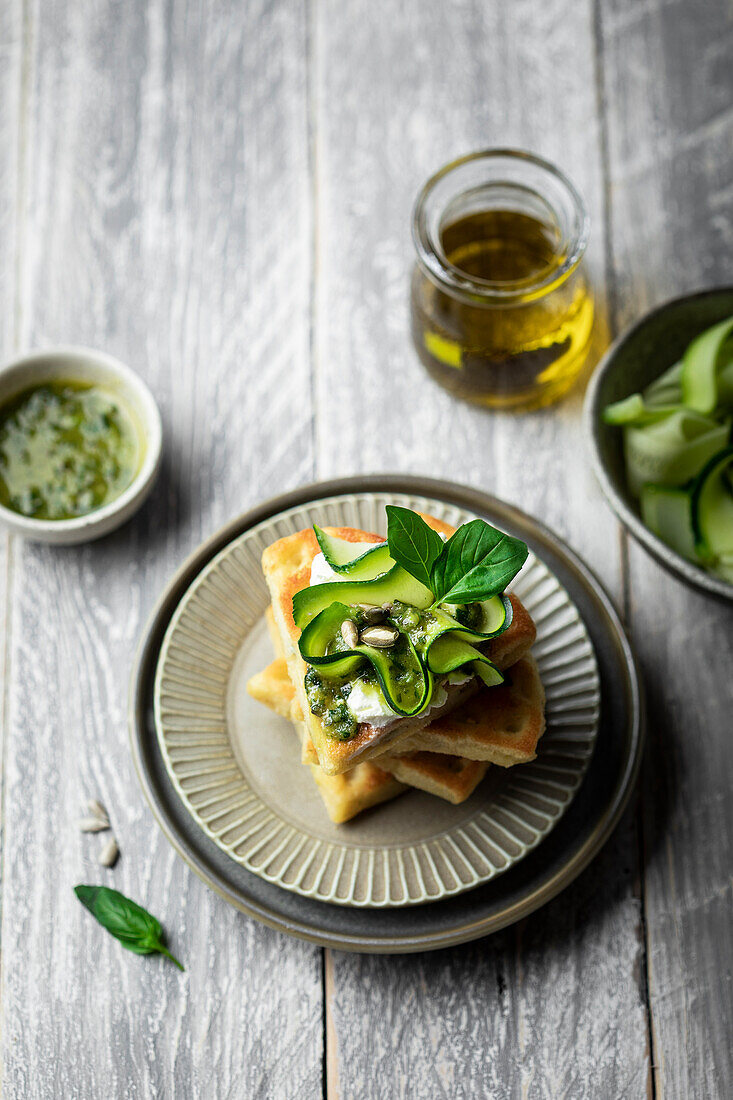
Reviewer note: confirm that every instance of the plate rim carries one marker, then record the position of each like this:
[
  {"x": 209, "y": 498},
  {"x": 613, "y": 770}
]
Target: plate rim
[
  {"x": 475, "y": 500},
  {"x": 172, "y": 643}
]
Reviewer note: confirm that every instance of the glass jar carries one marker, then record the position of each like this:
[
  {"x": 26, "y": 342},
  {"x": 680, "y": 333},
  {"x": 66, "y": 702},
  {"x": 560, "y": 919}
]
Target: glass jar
[{"x": 501, "y": 309}]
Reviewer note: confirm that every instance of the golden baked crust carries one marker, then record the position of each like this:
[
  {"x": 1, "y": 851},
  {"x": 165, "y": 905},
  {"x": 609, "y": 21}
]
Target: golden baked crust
[
  {"x": 501, "y": 725},
  {"x": 274, "y": 632},
  {"x": 448, "y": 777},
  {"x": 347, "y": 795},
  {"x": 344, "y": 796},
  {"x": 274, "y": 683},
  {"x": 365, "y": 785},
  {"x": 517, "y": 639},
  {"x": 286, "y": 565},
  {"x": 262, "y": 682},
  {"x": 274, "y": 688},
  {"x": 498, "y": 725}
]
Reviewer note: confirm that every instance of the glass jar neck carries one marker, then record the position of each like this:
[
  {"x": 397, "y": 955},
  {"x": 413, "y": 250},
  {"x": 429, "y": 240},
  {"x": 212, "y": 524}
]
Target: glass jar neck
[{"x": 507, "y": 182}]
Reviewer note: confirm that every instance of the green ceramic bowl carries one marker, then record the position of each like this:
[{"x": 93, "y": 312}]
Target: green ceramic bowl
[{"x": 639, "y": 356}]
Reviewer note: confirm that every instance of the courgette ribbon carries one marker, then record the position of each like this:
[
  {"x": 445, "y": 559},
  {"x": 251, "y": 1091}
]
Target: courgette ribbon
[
  {"x": 339, "y": 556},
  {"x": 673, "y": 450},
  {"x": 712, "y": 513},
  {"x": 404, "y": 678},
  {"x": 707, "y": 369},
  {"x": 676, "y": 441},
  {"x": 395, "y": 584},
  {"x": 406, "y": 672}
]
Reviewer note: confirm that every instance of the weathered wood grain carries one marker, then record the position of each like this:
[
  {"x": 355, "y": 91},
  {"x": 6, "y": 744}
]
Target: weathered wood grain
[
  {"x": 164, "y": 216},
  {"x": 535, "y": 1011},
  {"x": 12, "y": 159},
  {"x": 555, "y": 1007},
  {"x": 669, "y": 101},
  {"x": 165, "y": 172},
  {"x": 11, "y": 154}
]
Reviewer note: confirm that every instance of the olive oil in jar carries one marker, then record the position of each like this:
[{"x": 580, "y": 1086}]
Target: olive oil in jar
[
  {"x": 501, "y": 310},
  {"x": 500, "y": 246}
]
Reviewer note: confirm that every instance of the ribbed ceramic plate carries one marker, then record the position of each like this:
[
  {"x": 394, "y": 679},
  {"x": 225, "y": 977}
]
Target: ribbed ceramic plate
[{"x": 236, "y": 766}]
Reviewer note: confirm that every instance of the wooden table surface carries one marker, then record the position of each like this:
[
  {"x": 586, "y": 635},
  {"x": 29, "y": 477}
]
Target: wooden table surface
[{"x": 219, "y": 194}]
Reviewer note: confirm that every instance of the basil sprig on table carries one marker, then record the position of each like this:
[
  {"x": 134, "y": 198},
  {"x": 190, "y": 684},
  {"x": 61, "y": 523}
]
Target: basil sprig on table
[
  {"x": 128, "y": 922},
  {"x": 476, "y": 563}
]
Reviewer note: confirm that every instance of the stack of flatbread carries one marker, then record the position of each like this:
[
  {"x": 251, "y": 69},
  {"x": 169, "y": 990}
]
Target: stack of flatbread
[{"x": 446, "y": 752}]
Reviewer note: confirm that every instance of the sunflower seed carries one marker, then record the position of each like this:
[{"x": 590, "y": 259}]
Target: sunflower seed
[
  {"x": 381, "y": 637},
  {"x": 96, "y": 809},
  {"x": 349, "y": 633},
  {"x": 93, "y": 825},
  {"x": 372, "y": 613},
  {"x": 110, "y": 853}
]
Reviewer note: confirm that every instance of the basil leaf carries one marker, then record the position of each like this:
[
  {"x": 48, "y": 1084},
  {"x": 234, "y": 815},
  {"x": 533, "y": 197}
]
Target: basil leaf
[
  {"x": 412, "y": 544},
  {"x": 135, "y": 928},
  {"x": 476, "y": 562}
]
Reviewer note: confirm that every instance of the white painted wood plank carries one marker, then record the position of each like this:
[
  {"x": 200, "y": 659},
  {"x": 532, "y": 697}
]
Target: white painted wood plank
[
  {"x": 142, "y": 182},
  {"x": 535, "y": 1011},
  {"x": 12, "y": 157},
  {"x": 11, "y": 98},
  {"x": 166, "y": 220},
  {"x": 669, "y": 90},
  {"x": 394, "y": 99}
]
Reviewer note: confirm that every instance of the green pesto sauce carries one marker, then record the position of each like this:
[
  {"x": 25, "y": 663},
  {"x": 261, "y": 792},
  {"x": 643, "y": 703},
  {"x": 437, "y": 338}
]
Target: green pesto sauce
[
  {"x": 66, "y": 449},
  {"x": 328, "y": 696},
  {"x": 419, "y": 624},
  {"x": 327, "y": 699}
]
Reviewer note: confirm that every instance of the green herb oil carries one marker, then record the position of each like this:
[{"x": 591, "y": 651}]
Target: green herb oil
[{"x": 66, "y": 449}]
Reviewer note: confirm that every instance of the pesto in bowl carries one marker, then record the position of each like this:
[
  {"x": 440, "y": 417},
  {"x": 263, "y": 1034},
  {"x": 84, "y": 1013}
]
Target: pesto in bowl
[
  {"x": 80, "y": 444},
  {"x": 66, "y": 449}
]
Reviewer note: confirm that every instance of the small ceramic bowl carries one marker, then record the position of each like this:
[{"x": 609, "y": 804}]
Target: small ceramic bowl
[
  {"x": 85, "y": 365},
  {"x": 639, "y": 356}
]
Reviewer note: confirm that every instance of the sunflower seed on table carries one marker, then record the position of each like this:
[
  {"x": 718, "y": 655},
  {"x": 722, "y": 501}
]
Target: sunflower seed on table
[
  {"x": 93, "y": 825},
  {"x": 97, "y": 809},
  {"x": 380, "y": 637},
  {"x": 110, "y": 853},
  {"x": 349, "y": 633}
]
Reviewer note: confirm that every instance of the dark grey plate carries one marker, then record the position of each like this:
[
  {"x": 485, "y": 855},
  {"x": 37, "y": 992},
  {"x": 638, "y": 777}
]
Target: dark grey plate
[
  {"x": 556, "y": 862},
  {"x": 639, "y": 356}
]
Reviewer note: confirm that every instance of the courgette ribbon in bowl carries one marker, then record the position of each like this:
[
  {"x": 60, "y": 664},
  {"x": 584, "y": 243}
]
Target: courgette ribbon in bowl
[{"x": 676, "y": 443}]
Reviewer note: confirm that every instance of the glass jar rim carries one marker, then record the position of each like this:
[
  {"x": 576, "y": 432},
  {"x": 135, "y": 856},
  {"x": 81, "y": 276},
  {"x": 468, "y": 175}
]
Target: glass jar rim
[{"x": 431, "y": 254}]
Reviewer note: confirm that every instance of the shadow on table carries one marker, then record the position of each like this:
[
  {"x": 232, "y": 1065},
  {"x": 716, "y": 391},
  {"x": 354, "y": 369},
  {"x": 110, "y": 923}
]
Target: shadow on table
[
  {"x": 591, "y": 933},
  {"x": 167, "y": 509},
  {"x": 596, "y": 919},
  {"x": 165, "y": 512}
]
